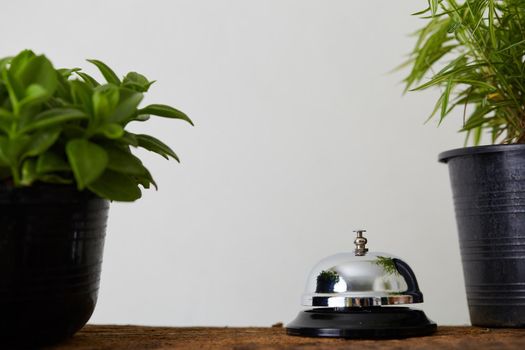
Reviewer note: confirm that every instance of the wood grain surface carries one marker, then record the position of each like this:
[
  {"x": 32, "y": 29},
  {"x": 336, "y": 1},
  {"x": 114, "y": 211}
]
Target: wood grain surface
[{"x": 162, "y": 338}]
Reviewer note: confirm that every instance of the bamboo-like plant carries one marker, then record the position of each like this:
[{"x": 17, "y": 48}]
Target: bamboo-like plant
[
  {"x": 474, "y": 51},
  {"x": 62, "y": 126}
]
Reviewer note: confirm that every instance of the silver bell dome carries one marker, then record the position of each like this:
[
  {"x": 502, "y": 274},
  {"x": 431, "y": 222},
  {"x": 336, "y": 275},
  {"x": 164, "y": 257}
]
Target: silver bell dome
[{"x": 361, "y": 278}]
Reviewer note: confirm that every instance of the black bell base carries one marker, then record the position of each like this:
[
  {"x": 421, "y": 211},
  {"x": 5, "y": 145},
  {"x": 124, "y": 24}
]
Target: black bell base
[{"x": 362, "y": 323}]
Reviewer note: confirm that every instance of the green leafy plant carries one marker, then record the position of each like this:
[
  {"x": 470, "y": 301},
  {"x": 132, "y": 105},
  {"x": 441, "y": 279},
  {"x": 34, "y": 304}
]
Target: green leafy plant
[
  {"x": 387, "y": 264},
  {"x": 62, "y": 126},
  {"x": 474, "y": 51},
  {"x": 326, "y": 281}
]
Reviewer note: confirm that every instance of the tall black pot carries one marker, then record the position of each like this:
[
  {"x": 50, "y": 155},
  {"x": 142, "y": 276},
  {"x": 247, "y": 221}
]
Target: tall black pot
[
  {"x": 488, "y": 184},
  {"x": 51, "y": 244}
]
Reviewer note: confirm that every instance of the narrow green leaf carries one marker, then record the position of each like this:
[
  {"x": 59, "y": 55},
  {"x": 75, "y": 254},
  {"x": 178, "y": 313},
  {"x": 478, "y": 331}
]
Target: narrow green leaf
[
  {"x": 433, "y": 6},
  {"x": 155, "y": 145},
  {"x": 142, "y": 118},
  {"x": 129, "y": 139},
  {"x": 492, "y": 30},
  {"x": 477, "y": 135},
  {"x": 29, "y": 174},
  {"x": 66, "y": 72},
  {"x": 88, "y": 161},
  {"x": 5, "y": 160},
  {"x": 478, "y": 83},
  {"x": 146, "y": 180},
  {"x": 419, "y": 13},
  {"x": 521, "y": 42},
  {"x": 165, "y": 111},
  {"x": 88, "y": 79},
  {"x": 6, "y": 120},
  {"x": 446, "y": 96},
  {"x": 108, "y": 74}
]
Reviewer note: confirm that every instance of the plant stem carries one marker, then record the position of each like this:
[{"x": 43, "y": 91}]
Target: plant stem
[{"x": 16, "y": 176}]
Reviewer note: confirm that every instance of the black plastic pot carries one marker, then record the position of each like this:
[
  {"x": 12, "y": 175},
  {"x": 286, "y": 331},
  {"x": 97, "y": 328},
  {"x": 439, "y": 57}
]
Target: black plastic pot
[
  {"x": 51, "y": 244},
  {"x": 488, "y": 184}
]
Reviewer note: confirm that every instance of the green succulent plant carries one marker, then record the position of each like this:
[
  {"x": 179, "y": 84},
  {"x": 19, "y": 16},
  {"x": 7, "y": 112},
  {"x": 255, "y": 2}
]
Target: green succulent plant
[
  {"x": 474, "y": 51},
  {"x": 62, "y": 126}
]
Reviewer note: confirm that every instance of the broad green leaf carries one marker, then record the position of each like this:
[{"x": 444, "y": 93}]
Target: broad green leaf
[
  {"x": 111, "y": 130},
  {"x": 88, "y": 161},
  {"x": 116, "y": 186},
  {"x": 39, "y": 142},
  {"x": 4, "y": 62},
  {"x": 55, "y": 179},
  {"x": 61, "y": 126},
  {"x": 105, "y": 100},
  {"x": 137, "y": 82},
  {"x": 53, "y": 117},
  {"x": 19, "y": 62},
  {"x": 38, "y": 70},
  {"x": 11, "y": 77},
  {"x": 108, "y": 74},
  {"x": 164, "y": 111},
  {"x": 155, "y": 145},
  {"x": 49, "y": 162},
  {"x": 14, "y": 88},
  {"x": 82, "y": 95},
  {"x": 63, "y": 92},
  {"x": 122, "y": 161},
  {"x": 129, "y": 101},
  {"x": 12, "y": 149},
  {"x": 34, "y": 95}
]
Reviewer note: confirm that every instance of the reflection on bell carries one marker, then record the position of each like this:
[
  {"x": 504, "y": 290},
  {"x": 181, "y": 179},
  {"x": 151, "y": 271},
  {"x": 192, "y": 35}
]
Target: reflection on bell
[{"x": 355, "y": 295}]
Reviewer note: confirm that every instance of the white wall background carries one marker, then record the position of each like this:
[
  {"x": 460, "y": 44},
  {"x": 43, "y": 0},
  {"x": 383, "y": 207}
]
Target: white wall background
[{"x": 301, "y": 135}]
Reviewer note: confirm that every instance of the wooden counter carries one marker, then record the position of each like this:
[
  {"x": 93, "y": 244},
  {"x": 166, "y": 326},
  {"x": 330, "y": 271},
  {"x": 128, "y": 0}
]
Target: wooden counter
[{"x": 162, "y": 338}]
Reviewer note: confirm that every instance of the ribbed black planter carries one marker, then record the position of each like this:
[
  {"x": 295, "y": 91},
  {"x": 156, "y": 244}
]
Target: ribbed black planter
[
  {"x": 488, "y": 184},
  {"x": 51, "y": 244}
]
